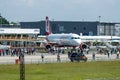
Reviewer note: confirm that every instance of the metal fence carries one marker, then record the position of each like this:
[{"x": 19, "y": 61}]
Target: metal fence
[{"x": 36, "y": 59}]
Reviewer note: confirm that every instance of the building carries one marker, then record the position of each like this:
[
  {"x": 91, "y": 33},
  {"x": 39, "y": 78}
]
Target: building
[
  {"x": 78, "y": 27},
  {"x": 26, "y": 33},
  {"x": 17, "y": 37}
]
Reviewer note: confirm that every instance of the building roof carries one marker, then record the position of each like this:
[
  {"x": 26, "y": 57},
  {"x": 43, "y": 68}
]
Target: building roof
[{"x": 18, "y": 31}]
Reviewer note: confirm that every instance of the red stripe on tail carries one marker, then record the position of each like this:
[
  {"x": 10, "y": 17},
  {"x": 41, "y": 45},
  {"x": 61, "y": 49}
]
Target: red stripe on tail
[{"x": 48, "y": 28}]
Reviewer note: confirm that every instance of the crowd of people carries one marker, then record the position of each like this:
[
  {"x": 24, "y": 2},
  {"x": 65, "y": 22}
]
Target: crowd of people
[
  {"x": 31, "y": 51},
  {"x": 17, "y": 51}
]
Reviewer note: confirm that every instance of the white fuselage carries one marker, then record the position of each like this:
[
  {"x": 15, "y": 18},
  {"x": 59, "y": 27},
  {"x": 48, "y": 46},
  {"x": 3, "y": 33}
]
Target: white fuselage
[
  {"x": 65, "y": 39},
  {"x": 99, "y": 38}
]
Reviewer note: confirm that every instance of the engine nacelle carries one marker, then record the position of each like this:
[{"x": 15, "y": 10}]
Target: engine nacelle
[
  {"x": 48, "y": 46},
  {"x": 83, "y": 46}
]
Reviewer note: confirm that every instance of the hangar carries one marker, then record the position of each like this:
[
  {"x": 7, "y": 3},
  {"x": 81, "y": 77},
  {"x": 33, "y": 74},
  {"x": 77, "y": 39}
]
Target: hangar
[{"x": 84, "y": 27}]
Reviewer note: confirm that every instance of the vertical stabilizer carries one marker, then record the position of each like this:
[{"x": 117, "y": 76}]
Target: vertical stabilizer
[{"x": 48, "y": 28}]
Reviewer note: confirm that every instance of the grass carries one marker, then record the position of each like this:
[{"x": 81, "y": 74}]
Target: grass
[{"x": 100, "y": 70}]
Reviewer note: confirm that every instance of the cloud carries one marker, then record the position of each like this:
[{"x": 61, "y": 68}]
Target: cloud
[
  {"x": 28, "y": 2},
  {"x": 17, "y": 3},
  {"x": 59, "y": 9}
]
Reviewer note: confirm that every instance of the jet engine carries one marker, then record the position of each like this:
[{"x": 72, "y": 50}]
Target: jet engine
[
  {"x": 48, "y": 46},
  {"x": 83, "y": 46}
]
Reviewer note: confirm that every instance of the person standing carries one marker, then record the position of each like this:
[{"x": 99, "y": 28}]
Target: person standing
[
  {"x": 117, "y": 55},
  {"x": 108, "y": 53},
  {"x": 93, "y": 55},
  {"x": 42, "y": 57},
  {"x": 58, "y": 57},
  {"x": 0, "y": 52}
]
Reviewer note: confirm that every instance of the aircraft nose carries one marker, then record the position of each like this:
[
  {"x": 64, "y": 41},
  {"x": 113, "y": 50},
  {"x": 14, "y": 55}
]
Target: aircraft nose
[{"x": 78, "y": 42}]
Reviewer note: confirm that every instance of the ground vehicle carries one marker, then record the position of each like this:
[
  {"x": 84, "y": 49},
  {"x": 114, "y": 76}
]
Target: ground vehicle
[{"x": 77, "y": 57}]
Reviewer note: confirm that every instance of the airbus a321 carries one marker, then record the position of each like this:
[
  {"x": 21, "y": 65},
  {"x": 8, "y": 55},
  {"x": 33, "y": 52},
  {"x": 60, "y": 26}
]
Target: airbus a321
[{"x": 63, "y": 39}]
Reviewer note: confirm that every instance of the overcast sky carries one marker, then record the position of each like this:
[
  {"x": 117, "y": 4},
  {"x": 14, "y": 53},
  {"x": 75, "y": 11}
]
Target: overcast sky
[{"x": 60, "y": 10}]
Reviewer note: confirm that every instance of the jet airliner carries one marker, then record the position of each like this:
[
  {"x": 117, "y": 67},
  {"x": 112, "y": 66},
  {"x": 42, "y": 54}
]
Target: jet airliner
[
  {"x": 72, "y": 39},
  {"x": 61, "y": 40}
]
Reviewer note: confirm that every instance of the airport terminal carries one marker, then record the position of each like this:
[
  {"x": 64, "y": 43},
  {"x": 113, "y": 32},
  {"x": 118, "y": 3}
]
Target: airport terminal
[{"x": 17, "y": 37}]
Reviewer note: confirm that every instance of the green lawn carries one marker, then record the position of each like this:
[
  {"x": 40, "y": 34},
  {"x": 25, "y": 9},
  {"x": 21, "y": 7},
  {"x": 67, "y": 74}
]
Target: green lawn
[{"x": 101, "y": 70}]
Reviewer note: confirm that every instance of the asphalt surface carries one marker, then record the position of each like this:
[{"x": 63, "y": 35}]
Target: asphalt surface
[{"x": 50, "y": 58}]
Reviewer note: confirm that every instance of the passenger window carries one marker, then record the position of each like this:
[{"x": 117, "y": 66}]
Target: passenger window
[{"x": 73, "y": 38}]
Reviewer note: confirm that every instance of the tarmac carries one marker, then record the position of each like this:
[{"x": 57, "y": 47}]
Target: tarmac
[{"x": 50, "y": 58}]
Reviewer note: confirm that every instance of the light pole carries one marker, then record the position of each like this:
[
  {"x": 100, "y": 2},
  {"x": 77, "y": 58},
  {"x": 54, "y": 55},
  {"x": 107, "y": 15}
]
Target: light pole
[
  {"x": 111, "y": 30},
  {"x": 99, "y": 18},
  {"x": 22, "y": 65}
]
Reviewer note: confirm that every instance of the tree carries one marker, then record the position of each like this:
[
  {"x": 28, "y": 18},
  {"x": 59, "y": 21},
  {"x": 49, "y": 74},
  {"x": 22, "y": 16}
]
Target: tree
[
  {"x": 3, "y": 20},
  {"x": 14, "y": 23}
]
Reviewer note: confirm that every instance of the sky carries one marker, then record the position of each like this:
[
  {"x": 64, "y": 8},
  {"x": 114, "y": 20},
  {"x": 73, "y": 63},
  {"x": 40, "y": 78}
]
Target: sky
[{"x": 60, "y": 10}]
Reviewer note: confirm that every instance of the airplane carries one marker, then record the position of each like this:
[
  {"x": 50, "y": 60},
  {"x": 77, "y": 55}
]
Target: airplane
[
  {"x": 72, "y": 39},
  {"x": 108, "y": 41},
  {"x": 100, "y": 38},
  {"x": 63, "y": 39}
]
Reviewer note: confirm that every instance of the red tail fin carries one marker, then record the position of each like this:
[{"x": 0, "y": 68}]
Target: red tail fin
[{"x": 48, "y": 28}]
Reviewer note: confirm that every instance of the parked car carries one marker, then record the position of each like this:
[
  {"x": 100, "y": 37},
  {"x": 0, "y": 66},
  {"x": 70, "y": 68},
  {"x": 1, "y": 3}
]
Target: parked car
[{"x": 77, "y": 57}]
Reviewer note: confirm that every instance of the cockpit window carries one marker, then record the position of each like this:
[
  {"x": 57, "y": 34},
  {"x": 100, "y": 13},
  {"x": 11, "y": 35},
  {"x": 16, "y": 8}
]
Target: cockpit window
[{"x": 75, "y": 38}]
